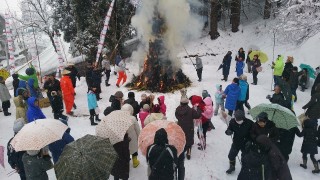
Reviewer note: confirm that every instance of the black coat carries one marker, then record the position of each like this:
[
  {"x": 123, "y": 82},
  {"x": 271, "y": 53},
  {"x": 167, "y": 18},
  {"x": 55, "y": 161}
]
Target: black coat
[
  {"x": 255, "y": 64},
  {"x": 57, "y": 104},
  {"x": 286, "y": 91},
  {"x": 15, "y": 158},
  {"x": 226, "y": 64},
  {"x": 134, "y": 104},
  {"x": 278, "y": 99},
  {"x": 242, "y": 55},
  {"x": 121, "y": 166},
  {"x": 36, "y": 167},
  {"x": 52, "y": 85},
  {"x": 89, "y": 76},
  {"x": 15, "y": 84},
  {"x": 313, "y": 106},
  {"x": 286, "y": 140},
  {"x": 73, "y": 75},
  {"x": 278, "y": 164},
  {"x": 316, "y": 82},
  {"x": 294, "y": 79},
  {"x": 310, "y": 137},
  {"x": 287, "y": 70},
  {"x": 269, "y": 130},
  {"x": 241, "y": 132}
]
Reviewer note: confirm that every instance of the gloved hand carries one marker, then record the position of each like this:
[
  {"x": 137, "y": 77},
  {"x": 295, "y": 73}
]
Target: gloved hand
[
  {"x": 268, "y": 96},
  {"x": 229, "y": 132}
]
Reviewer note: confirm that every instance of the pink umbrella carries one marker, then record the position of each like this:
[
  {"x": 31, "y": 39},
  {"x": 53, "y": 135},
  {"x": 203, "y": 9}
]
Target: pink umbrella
[
  {"x": 176, "y": 135},
  {"x": 2, "y": 156}
]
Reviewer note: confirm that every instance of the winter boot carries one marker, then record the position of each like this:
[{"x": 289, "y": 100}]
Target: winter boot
[
  {"x": 6, "y": 113},
  {"x": 135, "y": 161},
  {"x": 97, "y": 118},
  {"x": 232, "y": 167},
  {"x": 189, "y": 153},
  {"x": 316, "y": 168},
  {"x": 304, "y": 165},
  {"x": 92, "y": 121}
]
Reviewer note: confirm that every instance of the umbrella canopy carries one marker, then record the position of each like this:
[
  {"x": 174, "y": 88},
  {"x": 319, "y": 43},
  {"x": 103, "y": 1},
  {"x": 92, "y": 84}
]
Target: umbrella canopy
[
  {"x": 4, "y": 73},
  {"x": 89, "y": 157},
  {"x": 2, "y": 156},
  {"x": 281, "y": 116},
  {"x": 37, "y": 134},
  {"x": 310, "y": 69},
  {"x": 262, "y": 56},
  {"x": 114, "y": 126},
  {"x": 176, "y": 135}
]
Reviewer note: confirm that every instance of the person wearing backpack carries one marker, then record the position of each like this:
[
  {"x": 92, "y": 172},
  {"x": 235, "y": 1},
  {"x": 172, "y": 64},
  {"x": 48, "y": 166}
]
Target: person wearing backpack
[{"x": 161, "y": 157}]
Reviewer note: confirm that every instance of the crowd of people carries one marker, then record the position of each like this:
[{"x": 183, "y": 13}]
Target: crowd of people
[{"x": 265, "y": 149}]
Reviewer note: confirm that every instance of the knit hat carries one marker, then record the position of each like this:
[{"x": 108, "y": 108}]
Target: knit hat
[
  {"x": 18, "y": 125},
  {"x": 156, "y": 108},
  {"x": 184, "y": 100},
  {"x": 21, "y": 91},
  {"x": 131, "y": 95},
  {"x": 118, "y": 94},
  {"x": 146, "y": 107},
  {"x": 239, "y": 115},
  {"x": 29, "y": 71},
  {"x": 262, "y": 117},
  {"x": 243, "y": 77},
  {"x": 33, "y": 152},
  {"x": 205, "y": 94},
  {"x": 143, "y": 96}
]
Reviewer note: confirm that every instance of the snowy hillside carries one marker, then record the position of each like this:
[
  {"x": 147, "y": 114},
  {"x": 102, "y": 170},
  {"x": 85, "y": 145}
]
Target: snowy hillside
[{"x": 213, "y": 162}]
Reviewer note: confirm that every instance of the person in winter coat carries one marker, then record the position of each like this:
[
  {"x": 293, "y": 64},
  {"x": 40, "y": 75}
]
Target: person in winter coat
[
  {"x": 133, "y": 133},
  {"x": 32, "y": 90},
  {"x": 31, "y": 73},
  {"x": 96, "y": 81},
  {"x": 249, "y": 62},
  {"x": 219, "y": 99},
  {"x": 67, "y": 89},
  {"x": 163, "y": 107},
  {"x": 4, "y": 97},
  {"x": 89, "y": 70},
  {"x": 21, "y": 106},
  {"x": 56, "y": 148},
  {"x": 309, "y": 145},
  {"x": 304, "y": 79},
  {"x": 185, "y": 116},
  {"x": 15, "y": 84},
  {"x": 36, "y": 163},
  {"x": 226, "y": 63},
  {"x": 121, "y": 167},
  {"x": 232, "y": 93},
  {"x": 244, "y": 92},
  {"x": 205, "y": 119},
  {"x": 288, "y": 67},
  {"x": 286, "y": 91},
  {"x": 92, "y": 105},
  {"x": 131, "y": 100},
  {"x": 240, "y": 66},
  {"x": 57, "y": 106},
  {"x": 155, "y": 115},
  {"x": 161, "y": 158},
  {"x": 144, "y": 112},
  {"x": 240, "y": 127},
  {"x": 316, "y": 82},
  {"x": 294, "y": 81},
  {"x": 15, "y": 158},
  {"x": 286, "y": 140},
  {"x": 313, "y": 106},
  {"x": 241, "y": 55},
  {"x": 277, "y": 67},
  {"x": 263, "y": 126},
  {"x": 52, "y": 84},
  {"x": 122, "y": 72},
  {"x": 256, "y": 63},
  {"x": 279, "y": 166},
  {"x": 144, "y": 100},
  {"x": 116, "y": 103},
  {"x": 199, "y": 67},
  {"x": 277, "y": 97},
  {"x": 74, "y": 74},
  {"x": 34, "y": 112},
  {"x": 107, "y": 69}
]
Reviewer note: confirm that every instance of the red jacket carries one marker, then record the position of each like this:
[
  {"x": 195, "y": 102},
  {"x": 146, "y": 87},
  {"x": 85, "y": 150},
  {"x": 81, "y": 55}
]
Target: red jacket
[
  {"x": 197, "y": 101},
  {"x": 66, "y": 86}
]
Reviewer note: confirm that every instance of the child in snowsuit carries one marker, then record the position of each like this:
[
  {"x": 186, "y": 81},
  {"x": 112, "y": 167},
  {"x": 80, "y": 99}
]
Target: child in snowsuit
[
  {"x": 57, "y": 106},
  {"x": 309, "y": 145},
  {"x": 4, "y": 97},
  {"x": 92, "y": 105},
  {"x": 144, "y": 112},
  {"x": 219, "y": 99},
  {"x": 163, "y": 107}
]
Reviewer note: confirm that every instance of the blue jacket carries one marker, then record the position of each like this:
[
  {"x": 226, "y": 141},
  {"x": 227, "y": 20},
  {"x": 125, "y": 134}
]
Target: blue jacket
[
  {"x": 233, "y": 92},
  {"x": 92, "y": 100},
  {"x": 239, "y": 68},
  {"x": 244, "y": 89},
  {"x": 56, "y": 147},
  {"x": 218, "y": 95},
  {"x": 32, "y": 90},
  {"x": 34, "y": 112}
]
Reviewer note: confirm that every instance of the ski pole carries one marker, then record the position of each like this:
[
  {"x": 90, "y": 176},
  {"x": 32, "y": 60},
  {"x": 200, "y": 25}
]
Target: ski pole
[{"x": 189, "y": 56}]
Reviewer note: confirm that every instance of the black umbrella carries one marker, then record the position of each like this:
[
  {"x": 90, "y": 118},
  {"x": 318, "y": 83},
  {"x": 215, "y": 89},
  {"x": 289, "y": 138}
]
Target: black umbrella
[{"x": 220, "y": 67}]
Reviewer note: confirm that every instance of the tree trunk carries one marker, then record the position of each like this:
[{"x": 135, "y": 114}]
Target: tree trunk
[
  {"x": 235, "y": 15},
  {"x": 267, "y": 10},
  {"x": 51, "y": 39},
  {"x": 214, "y": 34}
]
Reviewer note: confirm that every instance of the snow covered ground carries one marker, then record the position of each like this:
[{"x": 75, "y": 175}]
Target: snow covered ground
[{"x": 212, "y": 163}]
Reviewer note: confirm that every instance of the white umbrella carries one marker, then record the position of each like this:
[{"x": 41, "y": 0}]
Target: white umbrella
[
  {"x": 114, "y": 126},
  {"x": 37, "y": 134}
]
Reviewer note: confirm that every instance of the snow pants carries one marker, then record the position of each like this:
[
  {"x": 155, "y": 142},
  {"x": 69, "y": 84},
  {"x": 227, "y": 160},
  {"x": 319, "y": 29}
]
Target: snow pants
[
  {"x": 234, "y": 150},
  {"x": 68, "y": 101},
  {"x": 122, "y": 76}
]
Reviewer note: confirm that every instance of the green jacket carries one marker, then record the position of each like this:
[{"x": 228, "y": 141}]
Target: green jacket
[
  {"x": 278, "y": 66},
  {"x": 33, "y": 76},
  {"x": 36, "y": 167}
]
